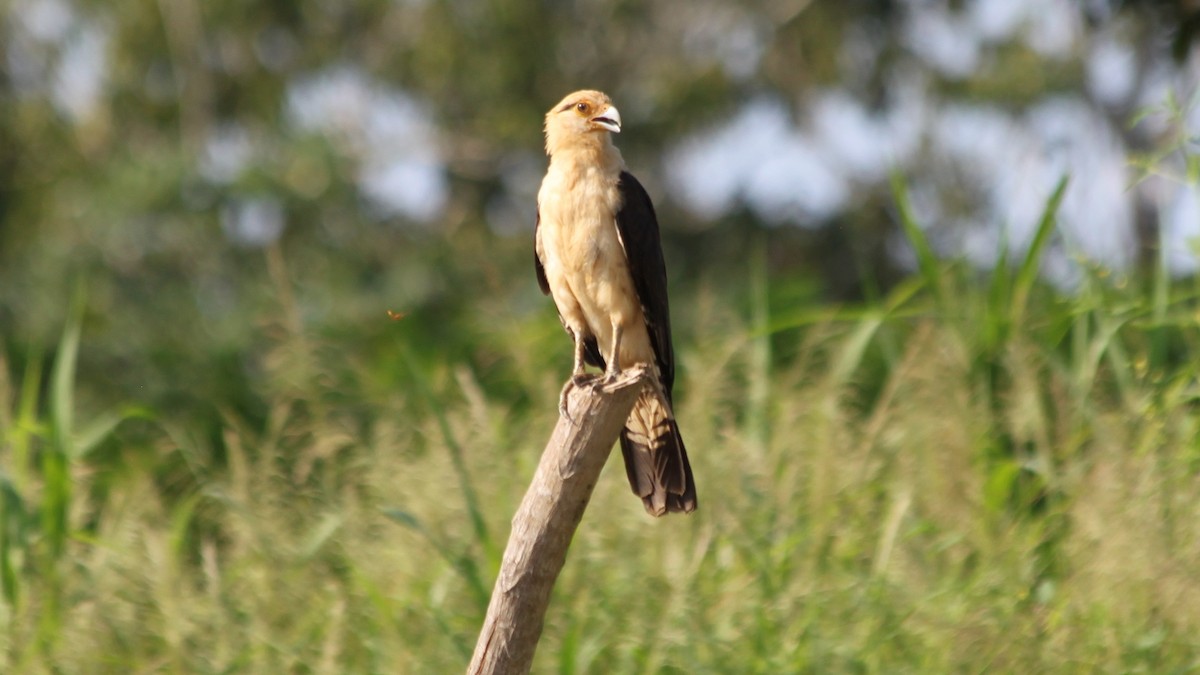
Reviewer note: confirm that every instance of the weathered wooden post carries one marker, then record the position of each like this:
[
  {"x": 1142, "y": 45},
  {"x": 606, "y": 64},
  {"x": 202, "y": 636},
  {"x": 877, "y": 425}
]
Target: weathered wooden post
[{"x": 546, "y": 520}]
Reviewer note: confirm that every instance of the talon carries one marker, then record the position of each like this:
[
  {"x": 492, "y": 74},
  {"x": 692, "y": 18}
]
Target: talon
[
  {"x": 577, "y": 380},
  {"x": 563, "y": 411}
]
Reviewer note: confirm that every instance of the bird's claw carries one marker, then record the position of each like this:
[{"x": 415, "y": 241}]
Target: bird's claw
[
  {"x": 562, "y": 404},
  {"x": 615, "y": 381},
  {"x": 577, "y": 380}
]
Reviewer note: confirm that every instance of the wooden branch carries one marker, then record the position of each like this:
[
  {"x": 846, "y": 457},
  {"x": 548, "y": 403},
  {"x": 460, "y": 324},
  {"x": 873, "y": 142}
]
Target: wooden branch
[{"x": 546, "y": 520}]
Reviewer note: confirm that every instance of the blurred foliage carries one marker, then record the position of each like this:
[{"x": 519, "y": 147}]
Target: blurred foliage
[
  {"x": 120, "y": 194},
  {"x": 220, "y": 454},
  {"x": 859, "y": 514}
]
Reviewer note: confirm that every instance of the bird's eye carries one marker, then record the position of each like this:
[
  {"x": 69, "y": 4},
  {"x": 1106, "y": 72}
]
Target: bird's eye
[{"x": 582, "y": 107}]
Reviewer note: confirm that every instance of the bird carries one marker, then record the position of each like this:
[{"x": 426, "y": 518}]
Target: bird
[{"x": 599, "y": 256}]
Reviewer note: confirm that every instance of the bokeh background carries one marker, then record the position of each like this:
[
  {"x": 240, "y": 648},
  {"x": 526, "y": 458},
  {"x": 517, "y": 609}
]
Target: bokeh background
[{"x": 276, "y": 368}]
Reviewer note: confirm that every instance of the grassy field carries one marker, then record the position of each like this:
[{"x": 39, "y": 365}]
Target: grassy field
[{"x": 974, "y": 473}]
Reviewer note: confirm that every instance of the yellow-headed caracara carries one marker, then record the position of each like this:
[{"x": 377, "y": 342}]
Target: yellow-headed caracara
[{"x": 599, "y": 256}]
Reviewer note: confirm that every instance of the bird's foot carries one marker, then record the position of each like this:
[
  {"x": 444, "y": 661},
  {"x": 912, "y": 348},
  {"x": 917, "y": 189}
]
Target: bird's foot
[
  {"x": 577, "y": 380},
  {"x": 615, "y": 380}
]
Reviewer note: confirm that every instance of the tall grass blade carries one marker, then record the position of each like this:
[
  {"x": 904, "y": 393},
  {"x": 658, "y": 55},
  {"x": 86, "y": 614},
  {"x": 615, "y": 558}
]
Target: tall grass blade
[
  {"x": 995, "y": 323},
  {"x": 851, "y": 355},
  {"x": 321, "y": 535},
  {"x": 478, "y": 524},
  {"x": 1093, "y": 353},
  {"x": 62, "y": 380},
  {"x": 12, "y": 539},
  {"x": 760, "y": 348},
  {"x": 26, "y": 424},
  {"x": 927, "y": 262},
  {"x": 90, "y": 435},
  {"x": 1160, "y": 303},
  {"x": 900, "y": 295},
  {"x": 56, "y": 476},
  {"x": 465, "y": 566},
  {"x": 1027, "y": 273},
  {"x": 181, "y": 522}
]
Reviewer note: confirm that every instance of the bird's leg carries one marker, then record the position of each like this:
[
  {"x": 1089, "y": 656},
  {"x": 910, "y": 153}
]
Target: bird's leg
[
  {"x": 578, "y": 374},
  {"x": 614, "y": 355},
  {"x": 578, "y": 377}
]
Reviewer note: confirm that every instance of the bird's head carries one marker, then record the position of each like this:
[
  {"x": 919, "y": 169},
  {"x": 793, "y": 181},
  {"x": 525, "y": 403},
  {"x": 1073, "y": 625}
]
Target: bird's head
[{"x": 581, "y": 120}]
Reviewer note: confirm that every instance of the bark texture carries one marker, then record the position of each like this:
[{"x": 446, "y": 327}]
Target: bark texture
[{"x": 546, "y": 520}]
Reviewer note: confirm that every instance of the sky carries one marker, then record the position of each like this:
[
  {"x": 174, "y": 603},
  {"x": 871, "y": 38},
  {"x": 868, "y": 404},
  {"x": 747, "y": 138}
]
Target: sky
[
  {"x": 797, "y": 164},
  {"x": 804, "y": 168}
]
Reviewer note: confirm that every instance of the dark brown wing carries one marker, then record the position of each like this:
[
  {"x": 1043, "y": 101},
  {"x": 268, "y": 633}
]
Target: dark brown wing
[
  {"x": 638, "y": 227},
  {"x": 543, "y": 282},
  {"x": 656, "y": 461}
]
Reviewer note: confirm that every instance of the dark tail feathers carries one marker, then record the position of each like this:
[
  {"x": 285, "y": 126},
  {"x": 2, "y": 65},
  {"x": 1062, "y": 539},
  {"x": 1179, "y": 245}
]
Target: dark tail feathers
[{"x": 655, "y": 460}]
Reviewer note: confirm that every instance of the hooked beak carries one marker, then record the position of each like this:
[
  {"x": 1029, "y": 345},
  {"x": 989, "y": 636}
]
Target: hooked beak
[{"x": 610, "y": 120}]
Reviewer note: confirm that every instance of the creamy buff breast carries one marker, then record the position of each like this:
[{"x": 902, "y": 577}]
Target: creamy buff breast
[{"x": 585, "y": 263}]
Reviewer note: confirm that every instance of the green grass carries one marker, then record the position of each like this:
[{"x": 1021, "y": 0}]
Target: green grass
[{"x": 976, "y": 473}]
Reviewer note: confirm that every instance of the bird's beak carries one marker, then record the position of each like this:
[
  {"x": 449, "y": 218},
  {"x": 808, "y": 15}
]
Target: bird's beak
[{"x": 610, "y": 119}]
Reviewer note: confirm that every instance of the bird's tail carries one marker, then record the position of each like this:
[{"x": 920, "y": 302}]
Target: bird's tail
[{"x": 655, "y": 459}]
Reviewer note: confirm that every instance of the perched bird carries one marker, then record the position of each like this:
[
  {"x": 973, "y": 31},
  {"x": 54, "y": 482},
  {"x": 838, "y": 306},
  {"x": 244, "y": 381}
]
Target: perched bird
[{"x": 599, "y": 256}]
